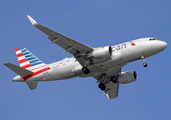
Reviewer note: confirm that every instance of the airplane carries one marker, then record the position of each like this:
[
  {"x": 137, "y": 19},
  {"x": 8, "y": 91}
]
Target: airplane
[{"x": 103, "y": 63}]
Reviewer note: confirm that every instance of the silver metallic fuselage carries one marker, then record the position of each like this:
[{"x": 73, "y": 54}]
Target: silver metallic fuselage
[{"x": 121, "y": 55}]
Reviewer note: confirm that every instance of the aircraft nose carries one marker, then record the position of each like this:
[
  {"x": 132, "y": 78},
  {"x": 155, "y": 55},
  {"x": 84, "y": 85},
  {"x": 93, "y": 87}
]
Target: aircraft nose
[{"x": 163, "y": 45}]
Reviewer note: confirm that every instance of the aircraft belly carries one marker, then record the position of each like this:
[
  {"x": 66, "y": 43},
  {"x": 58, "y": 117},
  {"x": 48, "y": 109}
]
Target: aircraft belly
[
  {"x": 104, "y": 67},
  {"x": 40, "y": 77},
  {"x": 64, "y": 72}
]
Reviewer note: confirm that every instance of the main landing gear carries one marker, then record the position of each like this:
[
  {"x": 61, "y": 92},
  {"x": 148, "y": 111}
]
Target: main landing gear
[
  {"x": 101, "y": 85},
  {"x": 144, "y": 63},
  {"x": 85, "y": 70}
]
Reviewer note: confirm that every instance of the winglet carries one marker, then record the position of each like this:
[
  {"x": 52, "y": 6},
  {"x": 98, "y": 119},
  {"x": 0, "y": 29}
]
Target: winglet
[{"x": 32, "y": 20}]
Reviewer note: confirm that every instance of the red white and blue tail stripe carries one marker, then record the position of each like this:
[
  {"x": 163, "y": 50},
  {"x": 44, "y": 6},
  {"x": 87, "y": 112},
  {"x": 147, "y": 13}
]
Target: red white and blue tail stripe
[
  {"x": 30, "y": 62},
  {"x": 27, "y": 60}
]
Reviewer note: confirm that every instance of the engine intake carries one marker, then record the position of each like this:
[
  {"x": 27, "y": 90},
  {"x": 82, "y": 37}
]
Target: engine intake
[
  {"x": 127, "y": 77},
  {"x": 101, "y": 53}
]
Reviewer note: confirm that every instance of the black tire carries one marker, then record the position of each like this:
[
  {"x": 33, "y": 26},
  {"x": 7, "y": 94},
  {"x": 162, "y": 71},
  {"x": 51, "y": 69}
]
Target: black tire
[
  {"x": 85, "y": 70},
  {"x": 145, "y": 64},
  {"x": 102, "y": 86}
]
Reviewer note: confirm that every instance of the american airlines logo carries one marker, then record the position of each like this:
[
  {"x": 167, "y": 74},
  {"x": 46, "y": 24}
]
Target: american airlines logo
[{"x": 133, "y": 44}]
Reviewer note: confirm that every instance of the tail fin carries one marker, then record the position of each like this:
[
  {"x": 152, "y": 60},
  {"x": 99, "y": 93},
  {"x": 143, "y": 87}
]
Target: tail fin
[{"x": 27, "y": 60}]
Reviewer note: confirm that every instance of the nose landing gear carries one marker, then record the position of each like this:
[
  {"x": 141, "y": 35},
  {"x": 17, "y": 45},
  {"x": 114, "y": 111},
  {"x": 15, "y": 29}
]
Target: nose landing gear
[{"x": 144, "y": 63}]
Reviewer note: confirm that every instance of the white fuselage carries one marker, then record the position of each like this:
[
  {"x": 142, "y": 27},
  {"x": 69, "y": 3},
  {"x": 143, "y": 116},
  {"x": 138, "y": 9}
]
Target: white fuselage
[{"x": 121, "y": 55}]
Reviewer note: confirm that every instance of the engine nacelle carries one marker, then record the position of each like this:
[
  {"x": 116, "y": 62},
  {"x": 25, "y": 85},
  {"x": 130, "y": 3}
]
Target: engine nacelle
[
  {"x": 101, "y": 53},
  {"x": 127, "y": 77}
]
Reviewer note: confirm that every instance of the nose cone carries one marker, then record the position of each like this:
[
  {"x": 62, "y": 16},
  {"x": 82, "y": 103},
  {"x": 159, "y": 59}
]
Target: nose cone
[{"x": 163, "y": 45}]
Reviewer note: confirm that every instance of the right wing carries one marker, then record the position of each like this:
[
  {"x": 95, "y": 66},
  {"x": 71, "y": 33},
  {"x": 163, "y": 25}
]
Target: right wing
[
  {"x": 112, "y": 89},
  {"x": 69, "y": 45}
]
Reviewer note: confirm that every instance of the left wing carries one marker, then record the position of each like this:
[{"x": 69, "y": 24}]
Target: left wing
[{"x": 69, "y": 45}]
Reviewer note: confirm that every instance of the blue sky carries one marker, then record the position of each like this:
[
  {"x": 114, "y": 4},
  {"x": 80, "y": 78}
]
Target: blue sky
[{"x": 95, "y": 23}]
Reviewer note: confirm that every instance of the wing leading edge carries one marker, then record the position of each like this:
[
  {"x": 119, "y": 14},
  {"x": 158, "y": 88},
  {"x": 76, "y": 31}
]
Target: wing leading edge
[{"x": 69, "y": 45}]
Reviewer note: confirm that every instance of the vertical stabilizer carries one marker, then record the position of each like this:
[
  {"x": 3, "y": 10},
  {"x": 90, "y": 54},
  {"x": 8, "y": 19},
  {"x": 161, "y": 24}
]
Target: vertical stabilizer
[{"x": 28, "y": 61}]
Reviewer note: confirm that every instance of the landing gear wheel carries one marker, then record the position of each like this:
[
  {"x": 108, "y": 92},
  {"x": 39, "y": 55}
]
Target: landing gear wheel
[
  {"x": 102, "y": 86},
  {"x": 145, "y": 64},
  {"x": 85, "y": 70}
]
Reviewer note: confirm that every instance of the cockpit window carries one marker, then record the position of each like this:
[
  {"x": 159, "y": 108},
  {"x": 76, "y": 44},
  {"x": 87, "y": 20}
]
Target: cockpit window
[{"x": 152, "y": 39}]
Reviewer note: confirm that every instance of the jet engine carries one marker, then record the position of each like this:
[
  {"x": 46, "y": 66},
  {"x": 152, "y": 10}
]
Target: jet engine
[
  {"x": 127, "y": 77},
  {"x": 101, "y": 53}
]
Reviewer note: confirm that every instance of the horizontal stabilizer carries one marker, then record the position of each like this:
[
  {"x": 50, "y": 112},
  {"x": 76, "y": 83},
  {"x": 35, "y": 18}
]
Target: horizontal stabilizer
[
  {"x": 32, "y": 85},
  {"x": 20, "y": 71}
]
